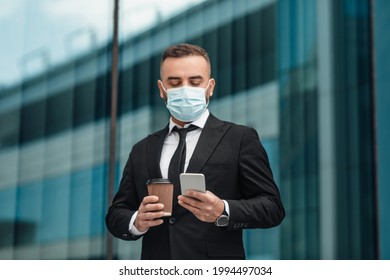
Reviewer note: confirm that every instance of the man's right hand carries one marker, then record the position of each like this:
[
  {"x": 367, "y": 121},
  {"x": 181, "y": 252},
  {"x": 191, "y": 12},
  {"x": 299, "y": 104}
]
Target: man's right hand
[{"x": 149, "y": 213}]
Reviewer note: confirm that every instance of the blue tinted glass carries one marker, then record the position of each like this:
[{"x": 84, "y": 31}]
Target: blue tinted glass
[
  {"x": 7, "y": 217},
  {"x": 80, "y": 204},
  {"x": 55, "y": 209},
  {"x": 382, "y": 62},
  {"x": 29, "y": 212},
  {"x": 98, "y": 203}
]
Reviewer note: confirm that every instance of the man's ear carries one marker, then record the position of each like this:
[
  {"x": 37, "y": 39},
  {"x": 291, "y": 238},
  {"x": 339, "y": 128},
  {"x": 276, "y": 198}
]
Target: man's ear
[
  {"x": 211, "y": 87},
  {"x": 160, "y": 88}
]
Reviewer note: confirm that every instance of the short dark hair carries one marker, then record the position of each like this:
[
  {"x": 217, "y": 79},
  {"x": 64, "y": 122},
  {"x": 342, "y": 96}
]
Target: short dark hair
[{"x": 182, "y": 50}]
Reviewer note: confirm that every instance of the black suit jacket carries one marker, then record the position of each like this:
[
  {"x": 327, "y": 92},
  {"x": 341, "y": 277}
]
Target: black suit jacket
[{"x": 236, "y": 169}]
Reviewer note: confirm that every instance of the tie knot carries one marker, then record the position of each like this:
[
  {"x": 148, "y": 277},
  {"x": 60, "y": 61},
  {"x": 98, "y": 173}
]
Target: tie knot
[{"x": 183, "y": 131}]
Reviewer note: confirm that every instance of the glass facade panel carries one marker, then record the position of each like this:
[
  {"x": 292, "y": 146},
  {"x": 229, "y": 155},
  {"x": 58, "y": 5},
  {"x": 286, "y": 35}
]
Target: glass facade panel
[
  {"x": 7, "y": 220},
  {"x": 55, "y": 195},
  {"x": 381, "y": 20},
  {"x": 353, "y": 128},
  {"x": 28, "y": 214},
  {"x": 298, "y": 128},
  {"x": 80, "y": 204}
]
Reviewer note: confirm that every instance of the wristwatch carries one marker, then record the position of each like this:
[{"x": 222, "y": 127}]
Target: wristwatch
[{"x": 223, "y": 220}]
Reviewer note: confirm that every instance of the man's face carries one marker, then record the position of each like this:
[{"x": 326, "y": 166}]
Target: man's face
[{"x": 190, "y": 70}]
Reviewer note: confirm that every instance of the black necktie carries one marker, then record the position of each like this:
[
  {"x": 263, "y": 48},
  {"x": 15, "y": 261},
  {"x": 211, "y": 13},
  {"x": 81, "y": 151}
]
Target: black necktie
[{"x": 176, "y": 166}]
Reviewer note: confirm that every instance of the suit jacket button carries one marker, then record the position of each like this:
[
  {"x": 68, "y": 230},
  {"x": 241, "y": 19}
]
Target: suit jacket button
[{"x": 172, "y": 220}]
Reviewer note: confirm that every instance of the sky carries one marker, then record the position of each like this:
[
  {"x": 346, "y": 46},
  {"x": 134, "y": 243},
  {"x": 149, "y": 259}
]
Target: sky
[{"x": 35, "y": 35}]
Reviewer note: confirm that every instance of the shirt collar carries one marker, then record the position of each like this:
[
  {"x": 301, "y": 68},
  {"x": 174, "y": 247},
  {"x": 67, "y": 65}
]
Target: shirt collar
[{"x": 199, "y": 122}]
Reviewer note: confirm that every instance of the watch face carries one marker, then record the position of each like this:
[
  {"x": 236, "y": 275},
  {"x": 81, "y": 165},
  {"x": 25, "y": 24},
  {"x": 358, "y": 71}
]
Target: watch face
[{"x": 222, "y": 221}]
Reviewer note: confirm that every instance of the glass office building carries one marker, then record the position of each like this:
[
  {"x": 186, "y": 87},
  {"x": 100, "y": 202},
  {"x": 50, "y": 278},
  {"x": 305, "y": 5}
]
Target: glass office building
[{"x": 309, "y": 75}]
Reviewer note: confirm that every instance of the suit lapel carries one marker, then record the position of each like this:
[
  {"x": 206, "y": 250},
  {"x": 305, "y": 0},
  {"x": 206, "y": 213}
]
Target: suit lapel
[
  {"x": 212, "y": 133},
  {"x": 155, "y": 143}
]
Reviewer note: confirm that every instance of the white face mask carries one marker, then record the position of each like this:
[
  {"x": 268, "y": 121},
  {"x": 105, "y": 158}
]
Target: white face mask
[{"x": 186, "y": 103}]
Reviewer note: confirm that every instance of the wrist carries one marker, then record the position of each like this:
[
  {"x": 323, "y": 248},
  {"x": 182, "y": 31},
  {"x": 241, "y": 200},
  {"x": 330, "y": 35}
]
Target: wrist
[
  {"x": 139, "y": 227},
  {"x": 221, "y": 208}
]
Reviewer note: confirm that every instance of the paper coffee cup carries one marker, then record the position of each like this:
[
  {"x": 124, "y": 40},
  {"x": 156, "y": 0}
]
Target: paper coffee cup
[{"x": 163, "y": 189}]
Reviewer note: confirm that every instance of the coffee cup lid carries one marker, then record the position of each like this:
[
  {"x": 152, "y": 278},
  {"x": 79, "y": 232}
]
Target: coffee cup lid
[{"x": 158, "y": 181}]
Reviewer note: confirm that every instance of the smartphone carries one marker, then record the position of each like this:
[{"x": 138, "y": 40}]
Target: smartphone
[{"x": 192, "y": 181}]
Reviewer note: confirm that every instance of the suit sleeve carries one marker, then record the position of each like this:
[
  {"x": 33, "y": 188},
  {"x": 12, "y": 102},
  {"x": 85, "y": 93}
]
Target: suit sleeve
[
  {"x": 124, "y": 205},
  {"x": 261, "y": 205}
]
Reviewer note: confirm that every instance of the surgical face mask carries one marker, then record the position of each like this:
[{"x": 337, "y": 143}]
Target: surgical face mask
[{"x": 186, "y": 103}]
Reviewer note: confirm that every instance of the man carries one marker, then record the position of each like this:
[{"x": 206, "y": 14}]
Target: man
[{"x": 241, "y": 192}]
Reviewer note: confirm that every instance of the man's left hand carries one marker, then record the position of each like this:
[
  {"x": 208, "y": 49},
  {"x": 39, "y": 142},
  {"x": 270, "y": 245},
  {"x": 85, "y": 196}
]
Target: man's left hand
[{"x": 207, "y": 207}]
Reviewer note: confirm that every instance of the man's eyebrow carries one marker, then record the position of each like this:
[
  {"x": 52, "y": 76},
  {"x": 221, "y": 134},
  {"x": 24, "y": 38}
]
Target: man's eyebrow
[
  {"x": 173, "y": 78},
  {"x": 196, "y": 77}
]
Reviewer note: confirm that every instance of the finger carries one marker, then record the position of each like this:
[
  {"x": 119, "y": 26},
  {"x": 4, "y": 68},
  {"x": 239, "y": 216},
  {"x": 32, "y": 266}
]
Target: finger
[
  {"x": 156, "y": 222},
  {"x": 187, "y": 206},
  {"x": 149, "y": 203},
  {"x": 149, "y": 199},
  {"x": 152, "y": 207},
  {"x": 191, "y": 201},
  {"x": 207, "y": 197},
  {"x": 150, "y": 216},
  {"x": 195, "y": 194}
]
